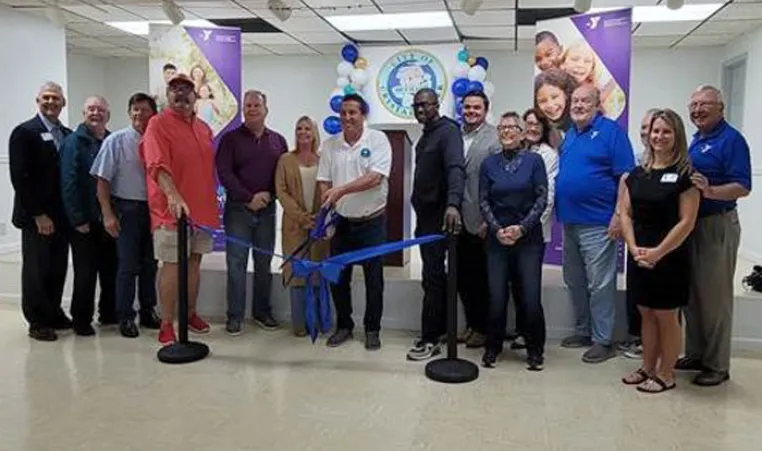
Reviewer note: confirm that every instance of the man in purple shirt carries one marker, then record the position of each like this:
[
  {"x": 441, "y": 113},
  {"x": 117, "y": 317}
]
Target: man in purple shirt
[{"x": 246, "y": 161}]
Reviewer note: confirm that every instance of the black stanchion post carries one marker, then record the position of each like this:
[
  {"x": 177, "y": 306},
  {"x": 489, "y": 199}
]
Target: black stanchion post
[
  {"x": 451, "y": 369},
  {"x": 183, "y": 351}
]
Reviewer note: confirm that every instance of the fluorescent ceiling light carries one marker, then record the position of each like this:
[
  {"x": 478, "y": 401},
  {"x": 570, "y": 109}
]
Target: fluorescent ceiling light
[
  {"x": 661, "y": 13},
  {"x": 141, "y": 27},
  {"x": 401, "y": 21}
]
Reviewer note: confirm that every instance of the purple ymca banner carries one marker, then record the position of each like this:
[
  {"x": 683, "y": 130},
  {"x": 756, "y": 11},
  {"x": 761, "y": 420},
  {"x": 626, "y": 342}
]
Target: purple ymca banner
[
  {"x": 594, "y": 49},
  {"x": 211, "y": 57}
]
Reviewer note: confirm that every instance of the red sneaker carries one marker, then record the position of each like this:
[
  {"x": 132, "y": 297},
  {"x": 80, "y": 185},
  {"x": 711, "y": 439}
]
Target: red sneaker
[
  {"x": 197, "y": 325},
  {"x": 167, "y": 334}
]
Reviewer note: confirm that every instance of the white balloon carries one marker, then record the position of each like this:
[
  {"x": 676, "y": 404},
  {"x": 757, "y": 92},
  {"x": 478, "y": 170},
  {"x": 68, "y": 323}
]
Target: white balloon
[
  {"x": 477, "y": 73},
  {"x": 489, "y": 88},
  {"x": 344, "y": 68},
  {"x": 490, "y": 118},
  {"x": 359, "y": 77},
  {"x": 342, "y": 81},
  {"x": 461, "y": 70}
]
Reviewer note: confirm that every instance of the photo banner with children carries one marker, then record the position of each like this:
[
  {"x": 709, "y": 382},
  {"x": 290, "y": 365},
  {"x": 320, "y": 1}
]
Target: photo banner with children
[
  {"x": 211, "y": 57},
  {"x": 595, "y": 49}
]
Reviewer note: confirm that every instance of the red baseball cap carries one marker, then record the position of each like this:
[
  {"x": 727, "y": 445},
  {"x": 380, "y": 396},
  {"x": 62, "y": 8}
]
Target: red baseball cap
[{"x": 181, "y": 78}]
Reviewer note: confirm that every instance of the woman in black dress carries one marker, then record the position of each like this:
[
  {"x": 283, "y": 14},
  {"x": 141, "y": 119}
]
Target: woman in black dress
[{"x": 658, "y": 207}]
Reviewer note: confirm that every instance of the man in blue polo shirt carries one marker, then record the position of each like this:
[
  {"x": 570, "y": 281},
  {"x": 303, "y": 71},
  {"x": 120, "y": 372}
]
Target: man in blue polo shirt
[
  {"x": 720, "y": 156},
  {"x": 595, "y": 154}
]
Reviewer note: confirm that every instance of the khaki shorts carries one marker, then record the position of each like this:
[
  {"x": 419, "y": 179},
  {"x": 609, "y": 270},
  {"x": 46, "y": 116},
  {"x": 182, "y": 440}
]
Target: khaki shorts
[{"x": 165, "y": 244}]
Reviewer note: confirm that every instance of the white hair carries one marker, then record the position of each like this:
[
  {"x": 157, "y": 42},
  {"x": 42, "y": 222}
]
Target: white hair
[
  {"x": 51, "y": 86},
  {"x": 98, "y": 98},
  {"x": 713, "y": 90}
]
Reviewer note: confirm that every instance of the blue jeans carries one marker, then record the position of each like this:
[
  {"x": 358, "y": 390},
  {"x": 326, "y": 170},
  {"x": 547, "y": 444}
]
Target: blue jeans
[
  {"x": 298, "y": 299},
  {"x": 350, "y": 236},
  {"x": 257, "y": 228},
  {"x": 136, "y": 258},
  {"x": 521, "y": 266},
  {"x": 589, "y": 265}
]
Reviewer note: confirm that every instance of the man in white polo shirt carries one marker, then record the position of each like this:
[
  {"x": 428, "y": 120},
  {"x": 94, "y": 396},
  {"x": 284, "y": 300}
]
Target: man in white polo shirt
[{"x": 353, "y": 175}]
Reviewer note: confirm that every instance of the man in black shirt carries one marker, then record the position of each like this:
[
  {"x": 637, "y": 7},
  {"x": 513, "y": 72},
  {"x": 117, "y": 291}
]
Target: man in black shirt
[{"x": 437, "y": 194}]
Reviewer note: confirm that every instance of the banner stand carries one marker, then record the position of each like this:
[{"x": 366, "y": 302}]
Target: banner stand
[
  {"x": 451, "y": 369},
  {"x": 182, "y": 351}
]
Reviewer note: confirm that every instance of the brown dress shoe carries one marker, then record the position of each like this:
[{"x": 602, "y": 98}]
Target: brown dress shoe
[{"x": 465, "y": 335}]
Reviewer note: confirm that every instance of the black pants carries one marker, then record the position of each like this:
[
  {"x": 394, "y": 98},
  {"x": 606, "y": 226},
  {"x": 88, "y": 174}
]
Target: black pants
[
  {"x": 136, "y": 258},
  {"x": 472, "y": 280},
  {"x": 518, "y": 304},
  {"x": 522, "y": 263},
  {"x": 434, "y": 277},
  {"x": 350, "y": 236},
  {"x": 95, "y": 259},
  {"x": 45, "y": 260}
]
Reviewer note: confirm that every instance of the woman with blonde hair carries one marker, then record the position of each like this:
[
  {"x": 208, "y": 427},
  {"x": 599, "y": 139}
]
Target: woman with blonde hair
[
  {"x": 658, "y": 206},
  {"x": 296, "y": 188}
]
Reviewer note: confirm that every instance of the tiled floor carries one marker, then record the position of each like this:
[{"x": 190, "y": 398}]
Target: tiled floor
[{"x": 269, "y": 391}]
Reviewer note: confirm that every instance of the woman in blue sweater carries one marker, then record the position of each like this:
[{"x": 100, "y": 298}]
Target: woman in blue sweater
[{"x": 513, "y": 191}]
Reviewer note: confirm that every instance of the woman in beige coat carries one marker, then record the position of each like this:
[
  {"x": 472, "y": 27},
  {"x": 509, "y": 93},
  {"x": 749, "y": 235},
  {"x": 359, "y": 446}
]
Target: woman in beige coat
[{"x": 296, "y": 188}]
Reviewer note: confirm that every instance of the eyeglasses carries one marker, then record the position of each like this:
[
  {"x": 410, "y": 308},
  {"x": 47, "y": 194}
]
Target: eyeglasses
[
  {"x": 697, "y": 105},
  {"x": 505, "y": 128}
]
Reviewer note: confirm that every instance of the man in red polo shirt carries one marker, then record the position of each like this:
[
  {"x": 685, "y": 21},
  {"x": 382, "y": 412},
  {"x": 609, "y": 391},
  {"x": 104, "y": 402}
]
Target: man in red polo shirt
[{"x": 178, "y": 153}]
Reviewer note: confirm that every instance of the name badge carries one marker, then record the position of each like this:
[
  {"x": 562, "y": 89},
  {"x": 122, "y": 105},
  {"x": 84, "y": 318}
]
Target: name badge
[
  {"x": 46, "y": 136},
  {"x": 669, "y": 178}
]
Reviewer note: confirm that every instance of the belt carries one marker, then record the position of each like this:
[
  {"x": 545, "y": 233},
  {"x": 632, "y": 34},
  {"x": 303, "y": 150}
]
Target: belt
[
  {"x": 373, "y": 215},
  {"x": 720, "y": 212}
]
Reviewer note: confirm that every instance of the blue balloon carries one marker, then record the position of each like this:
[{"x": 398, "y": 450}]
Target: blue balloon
[
  {"x": 475, "y": 86},
  {"x": 459, "y": 106},
  {"x": 482, "y": 61},
  {"x": 460, "y": 87},
  {"x": 336, "y": 103},
  {"x": 350, "y": 53},
  {"x": 332, "y": 125},
  {"x": 463, "y": 55},
  {"x": 349, "y": 89}
]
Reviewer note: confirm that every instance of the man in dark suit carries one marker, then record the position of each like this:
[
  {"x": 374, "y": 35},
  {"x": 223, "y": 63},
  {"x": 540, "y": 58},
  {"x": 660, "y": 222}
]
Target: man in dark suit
[{"x": 38, "y": 211}]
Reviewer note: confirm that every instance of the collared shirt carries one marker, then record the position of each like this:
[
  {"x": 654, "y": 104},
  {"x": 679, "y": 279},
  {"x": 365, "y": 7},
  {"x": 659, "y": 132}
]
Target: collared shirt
[
  {"x": 119, "y": 163},
  {"x": 591, "y": 162},
  {"x": 246, "y": 164},
  {"x": 183, "y": 148},
  {"x": 341, "y": 163},
  {"x": 723, "y": 157},
  {"x": 54, "y": 129}
]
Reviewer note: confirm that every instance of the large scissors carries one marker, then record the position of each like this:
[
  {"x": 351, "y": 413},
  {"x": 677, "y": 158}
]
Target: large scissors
[{"x": 325, "y": 219}]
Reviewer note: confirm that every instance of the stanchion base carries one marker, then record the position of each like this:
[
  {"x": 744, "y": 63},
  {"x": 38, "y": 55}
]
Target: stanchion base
[
  {"x": 183, "y": 352},
  {"x": 452, "y": 371}
]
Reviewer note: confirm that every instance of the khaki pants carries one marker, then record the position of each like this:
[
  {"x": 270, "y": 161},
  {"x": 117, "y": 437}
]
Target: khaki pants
[
  {"x": 709, "y": 315},
  {"x": 165, "y": 244}
]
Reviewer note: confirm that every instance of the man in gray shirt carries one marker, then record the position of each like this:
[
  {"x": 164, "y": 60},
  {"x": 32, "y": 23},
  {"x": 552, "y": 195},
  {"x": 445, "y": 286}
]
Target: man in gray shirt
[
  {"x": 479, "y": 141},
  {"x": 123, "y": 200}
]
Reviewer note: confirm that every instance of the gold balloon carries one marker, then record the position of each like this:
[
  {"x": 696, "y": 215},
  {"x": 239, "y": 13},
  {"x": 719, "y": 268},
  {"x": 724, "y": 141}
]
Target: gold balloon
[
  {"x": 361, "y": 63},
  {"x": 471, "y": 60}
]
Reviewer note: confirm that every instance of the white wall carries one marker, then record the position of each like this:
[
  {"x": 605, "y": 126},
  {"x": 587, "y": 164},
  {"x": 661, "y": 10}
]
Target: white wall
[
  {"x": 750, "y": 208},
  {"x": 87, "y": 77},
  {"x": 33, "y": 51}
]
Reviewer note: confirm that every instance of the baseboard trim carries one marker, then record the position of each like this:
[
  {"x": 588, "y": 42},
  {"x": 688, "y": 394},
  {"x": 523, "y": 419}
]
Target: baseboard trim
[{"x": 10, "y": 248}]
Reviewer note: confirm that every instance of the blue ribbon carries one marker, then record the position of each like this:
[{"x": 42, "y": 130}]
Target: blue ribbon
[{"x": 318, "y": 311}]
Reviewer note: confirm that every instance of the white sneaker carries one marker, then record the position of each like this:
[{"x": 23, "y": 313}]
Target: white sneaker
[{"x": 424, "y": 352}]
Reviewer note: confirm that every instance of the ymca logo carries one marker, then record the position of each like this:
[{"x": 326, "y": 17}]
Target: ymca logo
[
  {"x": 206, "y": 34},
  {"x": 593, "y": 22},
  {"x": 404, "y": 74}
]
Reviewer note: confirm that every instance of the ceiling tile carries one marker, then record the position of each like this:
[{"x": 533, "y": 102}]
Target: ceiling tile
[
  {"x": 319, "y": 37},
  {"x": 290, "y": 49},
  {"x": 89, "y": 43},
  {"x": 705, "y": 40},
  {"x": 216, "y": 10},
  {"x": 740, "y": 11},
  {"x": 267, "y": 38},
  {"x": 69, "y": 16},
  {"x": 312, "y": 23},
  {"x": 254, "y": 50},
  {"x": 489, "y": 44},
  {"x": 329, "y": 50},
  {"x": 527, "y": 32},
  {"x": 734, "y": 27},
  {"x": 526, "y": 44},
  {"x": 653, "y": 41},
  {"x": 430, "y": 35},
  {"x": 485, "y": 18},
  {"x": 380, "y": 35},
  {"x": 339, "y": 4},
  {"x": 147, "y": 12},
  {"x": 103, "y": 13},
  {"x": 505, "y": 32},
  {"x": 126, "y": 41},
  {"x": 408, "y": 6},
  {"x": 665, "y": 28},
  {"x": 487, "y": 4}
]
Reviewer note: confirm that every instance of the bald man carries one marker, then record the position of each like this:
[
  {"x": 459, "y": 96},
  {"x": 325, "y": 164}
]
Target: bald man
[
  {"x": 594, "y": 155},
  {"x": 721, "y": 158},
  {"x": 38, "y": 212},
  {"x": 93, "y": 249}
]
